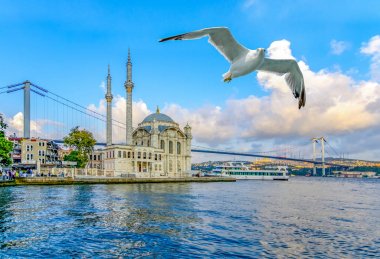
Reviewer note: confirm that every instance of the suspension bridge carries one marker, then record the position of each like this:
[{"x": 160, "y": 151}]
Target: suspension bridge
[{"x": 52, "y": 116}]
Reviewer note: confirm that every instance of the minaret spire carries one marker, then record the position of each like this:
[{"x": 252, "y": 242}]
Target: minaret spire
[
  {"x": 129, "y": 87},
  {"x": 109, "y": 98}
]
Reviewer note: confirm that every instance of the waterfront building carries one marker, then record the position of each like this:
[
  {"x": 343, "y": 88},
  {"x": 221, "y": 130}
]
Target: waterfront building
[
  {"x": 16, "y": 152},
  {"x": 158, "y": 147},
  {"x": 42, "y": 150},
  {"x": 95, "y": 159}
]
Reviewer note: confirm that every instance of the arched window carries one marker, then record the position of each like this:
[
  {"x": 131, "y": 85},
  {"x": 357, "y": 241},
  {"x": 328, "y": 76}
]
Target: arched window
[
  {"x": 144, "y": 155},
  {"x": 155, "y": 157},
  {"x": 163, "y": 144},
  {"x": 178, "y": 148},
  {"x": 129, "y": 154},
  {"x": 119, "y": 154},
  {"x": 159, "y": 157},
  {"x": 124, "y": 154},
  {"x": 170, "y": 147},
  {"x": 150, "y": 156},
  {"x": 139, "y": 154}
]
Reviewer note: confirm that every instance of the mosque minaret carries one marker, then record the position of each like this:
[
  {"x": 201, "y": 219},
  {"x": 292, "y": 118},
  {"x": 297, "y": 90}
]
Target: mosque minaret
[
  {"x": 129, "y": 87},
  {"x": 109, "y": 98}
]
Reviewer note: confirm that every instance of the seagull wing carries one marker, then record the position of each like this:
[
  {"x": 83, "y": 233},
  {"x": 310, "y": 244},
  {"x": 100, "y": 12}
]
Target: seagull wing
[
  {"x": 293, "y": 76},
  {"x": 220, "y": 37}
]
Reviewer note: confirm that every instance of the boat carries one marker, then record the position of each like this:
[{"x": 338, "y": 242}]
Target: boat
[{"x": 240, "y": 171}]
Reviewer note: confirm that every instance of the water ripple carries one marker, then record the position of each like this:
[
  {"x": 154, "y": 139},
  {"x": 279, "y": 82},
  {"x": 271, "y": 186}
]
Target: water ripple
[{"x": 305, "y": 217}]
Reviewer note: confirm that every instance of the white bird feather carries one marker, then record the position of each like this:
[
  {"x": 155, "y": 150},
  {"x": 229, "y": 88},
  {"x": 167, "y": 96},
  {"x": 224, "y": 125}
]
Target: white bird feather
[{"x": 244, "y": 61}]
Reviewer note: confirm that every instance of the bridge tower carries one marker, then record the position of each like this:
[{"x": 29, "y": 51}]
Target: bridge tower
[
  {"x": 323, "y": 155},
  {"x": 26, "y": 109},
  {"x": 315, "y": 140}
]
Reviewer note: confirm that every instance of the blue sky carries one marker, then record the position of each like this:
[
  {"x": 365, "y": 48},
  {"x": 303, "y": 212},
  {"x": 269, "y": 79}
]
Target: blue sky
[{"x": 65, "y": 46}]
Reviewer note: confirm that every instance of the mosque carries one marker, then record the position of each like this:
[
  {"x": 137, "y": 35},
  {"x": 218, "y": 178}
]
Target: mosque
[{"x": 158, "y": 147}]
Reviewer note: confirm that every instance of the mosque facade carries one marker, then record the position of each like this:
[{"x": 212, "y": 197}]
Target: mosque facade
[{"x": 158, "y": 147}]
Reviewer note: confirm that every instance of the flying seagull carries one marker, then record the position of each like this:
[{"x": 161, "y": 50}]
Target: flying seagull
[{"x": 244, "y": 61}]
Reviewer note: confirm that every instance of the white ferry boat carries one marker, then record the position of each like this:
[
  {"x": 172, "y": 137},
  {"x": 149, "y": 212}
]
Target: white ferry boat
[{"x": 242, "y": 172}]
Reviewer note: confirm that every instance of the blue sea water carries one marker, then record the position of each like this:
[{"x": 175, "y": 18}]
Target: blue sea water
[{"x": 301, "y": 218}]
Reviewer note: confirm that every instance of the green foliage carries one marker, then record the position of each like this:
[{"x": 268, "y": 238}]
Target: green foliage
[
  {"x": 6, "y": 146},
  {"x": 73, "y": 156},
  {"x": 82, "y": 141}
]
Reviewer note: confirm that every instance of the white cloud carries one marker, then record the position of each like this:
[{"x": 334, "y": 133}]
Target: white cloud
[
  {"x": 37, "y": 127},
  {"x": 338, "y": 47},
  {"x": 372, "y": 48}
]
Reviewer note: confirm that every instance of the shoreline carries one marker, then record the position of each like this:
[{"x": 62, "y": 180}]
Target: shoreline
[{"x": 108, "y": 180}]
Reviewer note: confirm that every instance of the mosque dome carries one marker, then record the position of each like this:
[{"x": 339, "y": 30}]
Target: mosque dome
[{"x": 158, "y": 117}]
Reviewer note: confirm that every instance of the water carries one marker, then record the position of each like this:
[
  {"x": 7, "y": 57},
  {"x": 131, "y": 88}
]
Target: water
[{"x": 304, "y": 217}]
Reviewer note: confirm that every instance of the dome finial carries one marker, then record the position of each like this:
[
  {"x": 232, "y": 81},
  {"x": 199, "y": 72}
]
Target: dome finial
[{"x": 158, "y": 109}]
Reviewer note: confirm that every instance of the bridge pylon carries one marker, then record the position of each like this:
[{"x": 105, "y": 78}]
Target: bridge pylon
[{"x": 316, "y": 140}]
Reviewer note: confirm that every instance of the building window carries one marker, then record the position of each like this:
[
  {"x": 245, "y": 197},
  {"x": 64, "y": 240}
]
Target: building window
[
  {"x": 119, "y": 154},
  {"x": 155, "y": 157},
  {"x": 178, "y": 148},
  {"x": 31, "y": 156},
  {"x": 129, "y": 154},
  {"x": 144, "y": 155},
  {"x": 27, "y": 148},
  {"x": 139, "y": 154},
  {"x": 159, "y": 157},
  {"x": 155, "y": 167},
  {"x": 170, "y": 147},
  {"x": 162, "y": 144},
  {"x": 133, "y": 154},
  {"x": 136, "y": 143},
  {"x": 124, "y": 154},
  {"x": 150, "y": 156},
  {"x": 148, "y": 143},
  {"x": 113, "y": 154},
  {"x": 43, "y": 161}
]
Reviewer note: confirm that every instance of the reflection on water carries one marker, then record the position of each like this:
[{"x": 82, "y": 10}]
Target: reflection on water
[{"x": 305, "y": 217}]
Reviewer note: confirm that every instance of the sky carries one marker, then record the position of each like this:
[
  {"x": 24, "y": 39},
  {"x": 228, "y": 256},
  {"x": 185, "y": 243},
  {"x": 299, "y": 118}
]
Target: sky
[{"x": 66, "y": 46}]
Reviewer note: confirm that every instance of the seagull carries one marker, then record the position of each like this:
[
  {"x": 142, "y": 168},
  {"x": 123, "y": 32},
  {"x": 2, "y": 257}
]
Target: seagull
[{"x": 244, "y": 61}]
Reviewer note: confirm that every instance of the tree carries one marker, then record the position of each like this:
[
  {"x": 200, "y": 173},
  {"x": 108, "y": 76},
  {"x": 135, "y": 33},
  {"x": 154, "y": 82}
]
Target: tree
[
  {"x": 73, "y": 157},
  {"x": 6, "y": 146},
  {"x": 82, "y": 141}
]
